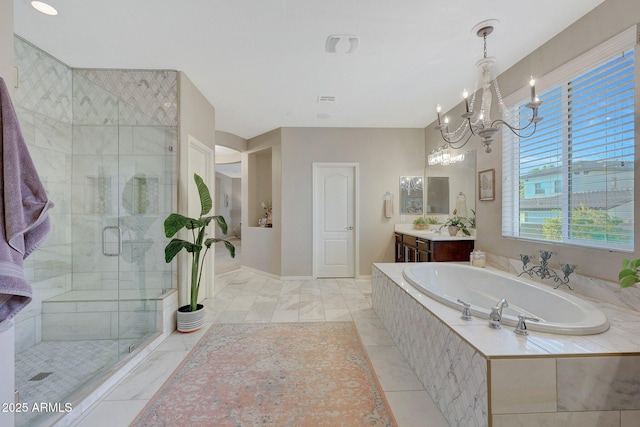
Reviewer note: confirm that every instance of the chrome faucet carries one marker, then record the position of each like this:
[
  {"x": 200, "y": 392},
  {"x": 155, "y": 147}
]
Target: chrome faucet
[
  {"x": 495, "y": 317},
  {"x": 466, "y": 310},
  {"x": 521, "y": 327}
]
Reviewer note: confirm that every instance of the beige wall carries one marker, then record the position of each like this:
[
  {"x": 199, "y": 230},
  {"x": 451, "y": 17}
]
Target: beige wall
[
  {"x": 383, "y": 155},
  {"x": 607, "y": 20},
  {"x": 230, "y": 140},
  {"x": 196, "y": 118},
  {"x": 7, "y": 338},
  {"x": 261, "y": 248}
]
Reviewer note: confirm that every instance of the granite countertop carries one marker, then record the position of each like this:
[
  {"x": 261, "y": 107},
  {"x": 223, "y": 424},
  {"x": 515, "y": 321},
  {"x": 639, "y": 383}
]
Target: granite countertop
[
  {"x": 430, "y": 234},
  {"x": 623, "y": 336}
]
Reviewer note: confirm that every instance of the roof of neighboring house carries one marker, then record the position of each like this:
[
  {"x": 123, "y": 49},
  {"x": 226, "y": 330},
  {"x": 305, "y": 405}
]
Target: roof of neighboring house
[
  {"x": 597, "y": 199},
  {"x": 581, "y": 167}
]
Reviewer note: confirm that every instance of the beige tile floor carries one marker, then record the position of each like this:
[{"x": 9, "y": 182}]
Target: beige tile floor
[{"x": 244, "y": 296}]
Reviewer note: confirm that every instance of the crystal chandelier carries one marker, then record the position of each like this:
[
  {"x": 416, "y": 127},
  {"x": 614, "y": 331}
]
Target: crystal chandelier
[{"x": 477, "y": 121}]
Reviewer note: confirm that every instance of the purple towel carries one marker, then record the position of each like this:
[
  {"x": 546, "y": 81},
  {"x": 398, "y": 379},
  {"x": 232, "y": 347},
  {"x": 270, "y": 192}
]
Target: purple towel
[{"x": 24, "y": 221}]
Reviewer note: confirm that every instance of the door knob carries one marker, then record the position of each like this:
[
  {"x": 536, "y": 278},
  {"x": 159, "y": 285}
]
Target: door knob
[{"x": 349, "y": 228}]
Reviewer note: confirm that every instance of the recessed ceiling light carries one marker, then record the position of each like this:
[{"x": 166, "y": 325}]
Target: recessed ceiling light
[{"x": 45, "y": 8}]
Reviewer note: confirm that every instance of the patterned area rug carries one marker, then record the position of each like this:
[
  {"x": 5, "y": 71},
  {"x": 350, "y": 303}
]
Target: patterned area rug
[{"x": 274, "y": 374}]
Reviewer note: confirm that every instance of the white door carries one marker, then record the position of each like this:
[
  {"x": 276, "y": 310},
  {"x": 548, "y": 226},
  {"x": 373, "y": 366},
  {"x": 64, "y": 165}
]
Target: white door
[
  {"x": 201, "y": 160},
  {"x": 335, "y": 214}
]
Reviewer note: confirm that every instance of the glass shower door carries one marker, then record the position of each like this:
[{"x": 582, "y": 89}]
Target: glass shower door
[{"x": 146, "y": 168}]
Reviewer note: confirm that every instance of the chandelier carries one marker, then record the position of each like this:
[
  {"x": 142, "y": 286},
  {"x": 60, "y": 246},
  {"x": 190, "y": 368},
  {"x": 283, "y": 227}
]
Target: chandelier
[{"x": 477, "y": 121}]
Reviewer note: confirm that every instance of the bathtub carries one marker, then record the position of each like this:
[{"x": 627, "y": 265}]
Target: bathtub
[{"x": 558, "y": 311}]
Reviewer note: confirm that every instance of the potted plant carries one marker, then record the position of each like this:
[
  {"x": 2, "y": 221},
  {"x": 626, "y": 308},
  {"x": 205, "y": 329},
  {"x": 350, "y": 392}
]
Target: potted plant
[
  {"x": 454, "y": 224},
  {"x": 420, "y": 223},
  {"x": 628, "y": 276},
  {"x": 191, "y": 316}
]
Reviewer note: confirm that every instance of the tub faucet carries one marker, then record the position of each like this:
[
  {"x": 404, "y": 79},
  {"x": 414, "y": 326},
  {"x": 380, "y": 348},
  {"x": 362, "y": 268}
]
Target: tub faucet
[{"x": 495, "y": 317}]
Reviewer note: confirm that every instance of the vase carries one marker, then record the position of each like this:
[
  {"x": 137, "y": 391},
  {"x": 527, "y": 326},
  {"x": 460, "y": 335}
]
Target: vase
[
  {"x": 190, "y": 321},
  {"x": 419, "y": 226},
  {"x": 453, "y": 230}
]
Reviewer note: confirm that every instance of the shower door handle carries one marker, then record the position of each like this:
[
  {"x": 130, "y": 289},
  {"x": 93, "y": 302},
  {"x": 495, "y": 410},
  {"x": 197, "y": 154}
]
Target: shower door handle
[{"x": 104, "y": 240}]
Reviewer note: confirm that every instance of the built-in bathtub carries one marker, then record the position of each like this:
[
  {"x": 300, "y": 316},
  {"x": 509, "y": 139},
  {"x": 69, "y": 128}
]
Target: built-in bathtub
[
  {"x": 557, "y": 312},
  {"x": 479, "y": 376}
]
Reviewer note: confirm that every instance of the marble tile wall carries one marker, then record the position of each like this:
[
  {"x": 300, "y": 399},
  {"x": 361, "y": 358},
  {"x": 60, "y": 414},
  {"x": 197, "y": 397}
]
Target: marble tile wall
[
  {"x": 91, "y": 134},
  {"x": 602, "y": 290},
  {"x": 453, "y": 373},
  {"x": 572, "y": 391},
  {"x": 125, "y": 129},
  {"x": 43, "y": 104}
]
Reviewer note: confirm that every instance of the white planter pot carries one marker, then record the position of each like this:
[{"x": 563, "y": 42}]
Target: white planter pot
[
  {"x": 453, "y": 230},
  {"x": 190, "y": 321}
]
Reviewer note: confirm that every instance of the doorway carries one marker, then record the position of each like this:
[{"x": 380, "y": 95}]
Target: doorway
[{"x": 335, "y": 219}]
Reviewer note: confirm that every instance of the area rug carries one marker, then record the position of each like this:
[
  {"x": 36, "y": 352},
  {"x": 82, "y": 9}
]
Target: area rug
[{"x": 274, "y": 374}]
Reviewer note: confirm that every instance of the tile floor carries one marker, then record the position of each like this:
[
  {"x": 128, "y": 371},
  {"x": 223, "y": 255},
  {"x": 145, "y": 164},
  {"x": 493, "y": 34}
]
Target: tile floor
[{"x": 244, "y": 296}]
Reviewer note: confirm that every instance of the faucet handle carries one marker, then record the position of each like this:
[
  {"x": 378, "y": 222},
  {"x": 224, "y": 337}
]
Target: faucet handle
[
  {"x": 466, "y": 312},
  {"x": 521, "y": 327}
]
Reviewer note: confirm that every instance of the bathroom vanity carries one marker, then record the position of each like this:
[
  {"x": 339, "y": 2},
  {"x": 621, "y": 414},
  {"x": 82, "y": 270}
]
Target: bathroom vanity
[{"x": 428, "y": 246}]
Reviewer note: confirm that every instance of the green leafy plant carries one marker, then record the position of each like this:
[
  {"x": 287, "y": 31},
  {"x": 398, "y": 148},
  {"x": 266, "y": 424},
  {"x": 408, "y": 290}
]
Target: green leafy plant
[
  {"x": 419, "y": 223},
  {"x": 432, "y": 220},
  {"x": 176, "y": 222},
  {"x": 456, "y": 221},
  {"x": 628, "y": 276},
  {"x": 472, "y": 220}
]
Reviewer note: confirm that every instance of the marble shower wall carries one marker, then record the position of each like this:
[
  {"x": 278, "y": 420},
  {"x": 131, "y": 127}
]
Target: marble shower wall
[
  {"x": 43, "y": 103},
  {"x": 103, "y": 142},
  {"x": 124, "y": 169}
]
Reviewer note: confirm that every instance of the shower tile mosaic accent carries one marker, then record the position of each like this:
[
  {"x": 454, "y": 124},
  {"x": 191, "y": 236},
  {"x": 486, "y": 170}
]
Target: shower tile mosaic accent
[
  {"x": 452, "y": 372},
  {"x": 137, "y": 97},
  {"x": 44, "y": 82}
]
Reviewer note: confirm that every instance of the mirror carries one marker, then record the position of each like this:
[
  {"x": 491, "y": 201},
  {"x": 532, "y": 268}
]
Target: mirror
[
  {"x": 438, "y": 195},
  {"x": 411, "y": 195},
  {"x": 461, "y": 177}
]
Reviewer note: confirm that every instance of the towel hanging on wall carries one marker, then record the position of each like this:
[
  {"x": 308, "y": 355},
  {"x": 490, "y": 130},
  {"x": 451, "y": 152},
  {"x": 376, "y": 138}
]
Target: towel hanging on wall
[
  {"x": 24, "y": 218},
  {"x": 388, "y": 205}
]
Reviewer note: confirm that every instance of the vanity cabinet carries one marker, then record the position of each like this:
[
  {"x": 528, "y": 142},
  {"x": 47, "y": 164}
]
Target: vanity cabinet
[{"x": 410, "y": 248}]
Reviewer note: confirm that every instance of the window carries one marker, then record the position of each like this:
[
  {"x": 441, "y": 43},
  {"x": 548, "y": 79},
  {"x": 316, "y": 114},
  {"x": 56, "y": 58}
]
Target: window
[{"x": 579, "y": 165}]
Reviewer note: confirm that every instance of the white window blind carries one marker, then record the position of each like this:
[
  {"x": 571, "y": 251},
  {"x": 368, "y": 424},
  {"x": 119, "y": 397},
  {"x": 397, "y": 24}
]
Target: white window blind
[{"x": 573, "y": 180}]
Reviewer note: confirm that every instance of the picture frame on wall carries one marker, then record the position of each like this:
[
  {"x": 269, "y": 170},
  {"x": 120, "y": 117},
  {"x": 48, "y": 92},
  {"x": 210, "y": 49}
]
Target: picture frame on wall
[{"x": 487, "y": 184}]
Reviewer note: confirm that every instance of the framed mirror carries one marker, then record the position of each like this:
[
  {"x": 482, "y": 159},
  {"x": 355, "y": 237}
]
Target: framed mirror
[{"x": 411, "y": 195}]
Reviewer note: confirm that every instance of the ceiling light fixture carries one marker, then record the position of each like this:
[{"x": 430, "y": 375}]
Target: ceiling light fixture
[
  {"x": 45, "y": 8},
  {"x": 477, "y": 121},
  {"x": 443, "y": 156}
]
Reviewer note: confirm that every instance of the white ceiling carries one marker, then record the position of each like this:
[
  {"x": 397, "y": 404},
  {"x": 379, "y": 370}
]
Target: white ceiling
[{"x": 262, "y": 64}]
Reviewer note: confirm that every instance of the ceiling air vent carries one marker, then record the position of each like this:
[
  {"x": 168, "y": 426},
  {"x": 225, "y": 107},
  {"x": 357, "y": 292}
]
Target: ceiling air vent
[
  {"x": 326, "y": 99},
  {"x": 342, "y": 43}
]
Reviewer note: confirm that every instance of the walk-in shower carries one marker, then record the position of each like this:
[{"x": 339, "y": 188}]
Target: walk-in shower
[{"x": 103, "y": 142}]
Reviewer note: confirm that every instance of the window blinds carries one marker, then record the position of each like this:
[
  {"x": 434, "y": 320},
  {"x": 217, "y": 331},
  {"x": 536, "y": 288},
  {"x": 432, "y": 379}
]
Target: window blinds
[{"x": 573, "y": 180}]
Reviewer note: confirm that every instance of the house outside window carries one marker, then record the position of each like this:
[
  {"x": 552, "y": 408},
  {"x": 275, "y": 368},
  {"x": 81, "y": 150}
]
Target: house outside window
[{"x": 573, "y": 180}]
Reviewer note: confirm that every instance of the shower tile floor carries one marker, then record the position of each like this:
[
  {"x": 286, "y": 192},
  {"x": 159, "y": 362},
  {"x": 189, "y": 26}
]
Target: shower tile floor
[{"x": 50, "y": 371}]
